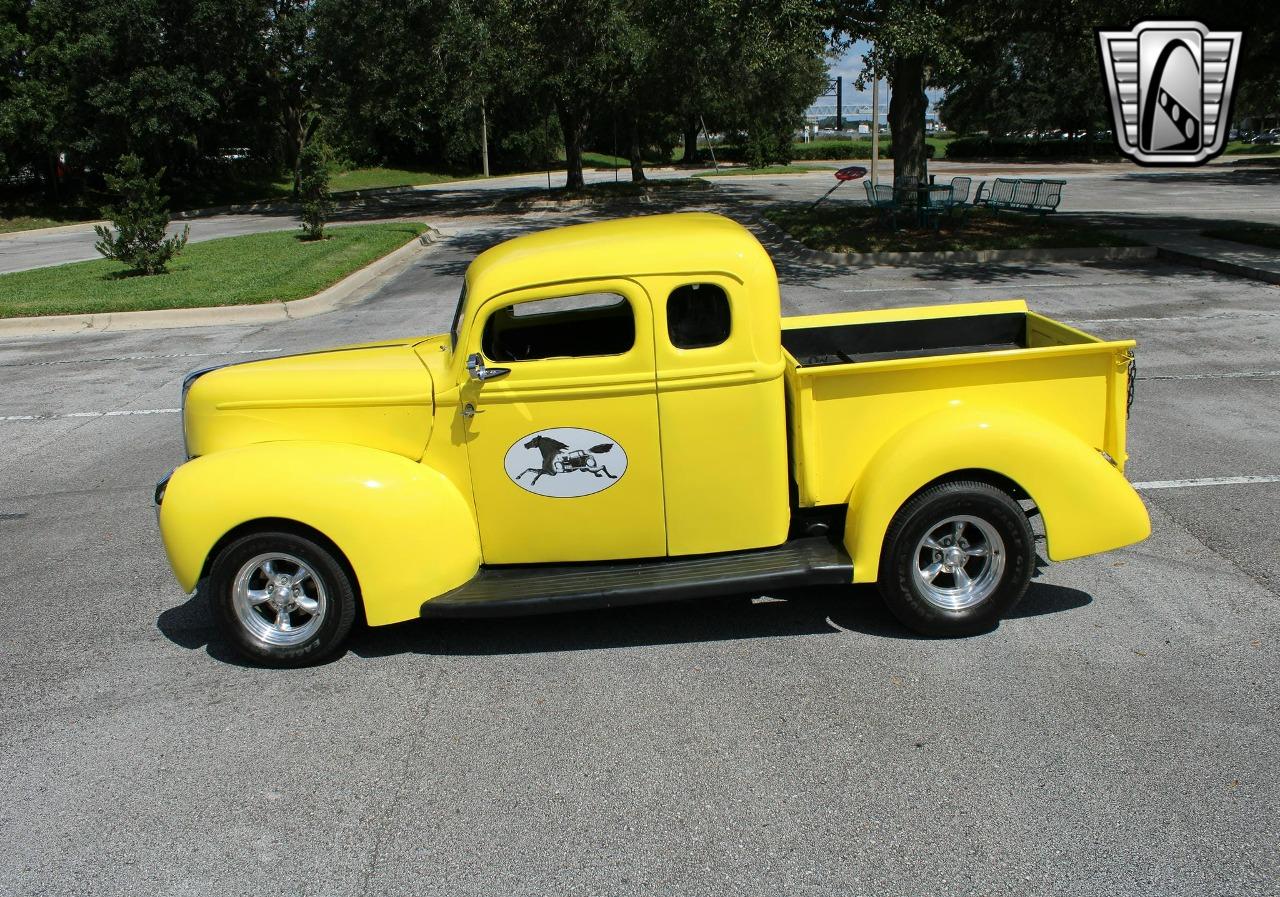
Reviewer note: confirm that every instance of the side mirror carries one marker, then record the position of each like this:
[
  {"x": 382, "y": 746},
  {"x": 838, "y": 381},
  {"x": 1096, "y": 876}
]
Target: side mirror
[{"x": 477, "y": 370}]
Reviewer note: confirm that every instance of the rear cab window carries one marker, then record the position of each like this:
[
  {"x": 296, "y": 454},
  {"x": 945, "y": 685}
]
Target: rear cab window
[{"x": 698, "y": 316}]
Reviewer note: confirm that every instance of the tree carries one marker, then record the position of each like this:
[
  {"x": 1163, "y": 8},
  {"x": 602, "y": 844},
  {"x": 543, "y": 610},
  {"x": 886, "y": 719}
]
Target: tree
[
  {"x": 1027, "y": 68},
  {"x": 571, "y": 59},
  {"x": 313, "y": 188},
  {"x": 746, "y": 67},
  {"x": 913, "y": 41},
  {"x": 169, "y": 81},
  {"x": 140, "y": 220},
  {"x": 289, "y": 63},
  {"x": 379, "y": 79}
]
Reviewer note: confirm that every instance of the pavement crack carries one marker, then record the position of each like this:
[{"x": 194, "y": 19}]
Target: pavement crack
[{"x": 402, "y": 780}]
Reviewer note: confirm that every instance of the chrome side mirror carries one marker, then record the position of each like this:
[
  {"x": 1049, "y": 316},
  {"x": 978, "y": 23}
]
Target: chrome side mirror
[{"x": 477, "y": 370}]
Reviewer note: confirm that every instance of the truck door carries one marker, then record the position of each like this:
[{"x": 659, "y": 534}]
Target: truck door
[{"x": 565, "y": 458}]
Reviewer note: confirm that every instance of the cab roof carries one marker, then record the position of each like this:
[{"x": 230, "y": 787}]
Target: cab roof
[{"x": 680, "y": 243}]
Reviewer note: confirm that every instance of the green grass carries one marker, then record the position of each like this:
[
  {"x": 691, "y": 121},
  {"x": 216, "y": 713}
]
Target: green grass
[
  {"x": 271, "y": 267},
  {"x": 607, "y": 160},
  {"x": 939, "y": 145},
  {"x": 30, "y": 214},
  {"x": 372, "y": 178},
  {"x": 29, "y": 222},
  {"x": 604, "y": 160},
  {"x": 845, "y": 228},
  {"x": 1267, "y": 235},
  {"x": 1238, "y": 148},
  {"x": 768, "y": 169}
]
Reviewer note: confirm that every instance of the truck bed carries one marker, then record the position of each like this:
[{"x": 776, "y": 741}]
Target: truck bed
[
  {"x": 882, "y": 340},
  {"x": 855, "y": 379}
]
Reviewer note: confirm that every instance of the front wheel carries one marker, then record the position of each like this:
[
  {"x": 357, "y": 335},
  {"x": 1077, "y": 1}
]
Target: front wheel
[
  {"x": 281, "y": 598},
  {"x": 957, "y": 558}
]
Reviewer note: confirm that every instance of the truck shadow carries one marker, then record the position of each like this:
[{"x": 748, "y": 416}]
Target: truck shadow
[{"x": 799, "y": 612}]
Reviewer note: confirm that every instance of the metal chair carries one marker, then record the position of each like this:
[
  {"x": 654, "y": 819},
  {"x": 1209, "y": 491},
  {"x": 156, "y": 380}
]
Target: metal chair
[
  {"x": 960, "y": 195},
  {"x": 884, "y": 200}
]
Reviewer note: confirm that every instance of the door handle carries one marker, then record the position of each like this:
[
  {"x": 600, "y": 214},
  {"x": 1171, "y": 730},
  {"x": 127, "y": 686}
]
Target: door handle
[
  {"x": 477, "y": 370},
  {"x": 469, "y": 411}
]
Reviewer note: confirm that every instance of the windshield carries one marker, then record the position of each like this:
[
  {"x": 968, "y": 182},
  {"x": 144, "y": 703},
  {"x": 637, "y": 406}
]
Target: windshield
[{"x": 457, "y": 317}]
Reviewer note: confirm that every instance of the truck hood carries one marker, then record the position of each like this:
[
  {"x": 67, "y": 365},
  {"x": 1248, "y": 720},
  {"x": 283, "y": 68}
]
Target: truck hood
[{"x": 378, "y": 395}]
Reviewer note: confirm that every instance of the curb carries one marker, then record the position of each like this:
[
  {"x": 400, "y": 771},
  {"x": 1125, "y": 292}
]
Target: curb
[
  {"x": 345, "y": 292},
  {"x": 1213, "y": 264}
]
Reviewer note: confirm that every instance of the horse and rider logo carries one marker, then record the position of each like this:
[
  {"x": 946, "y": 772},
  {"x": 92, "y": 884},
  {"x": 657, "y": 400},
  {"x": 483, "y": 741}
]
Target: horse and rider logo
[{"x": 565, "y": 462}]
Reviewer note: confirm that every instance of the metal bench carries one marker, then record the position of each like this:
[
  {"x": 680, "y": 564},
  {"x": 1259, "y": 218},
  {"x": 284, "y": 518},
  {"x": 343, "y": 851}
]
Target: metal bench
[{"x": 1020, "y": 195}]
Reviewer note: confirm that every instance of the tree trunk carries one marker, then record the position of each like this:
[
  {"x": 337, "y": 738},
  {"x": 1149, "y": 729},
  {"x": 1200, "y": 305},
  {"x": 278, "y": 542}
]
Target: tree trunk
[
  {"x": 691, "y": 140},
  {"x": 296, "y": 124},
  {"x": 907, "y": 108},
  {"x": 637, "y": 163},
  {"x": 572, "y": 124}
]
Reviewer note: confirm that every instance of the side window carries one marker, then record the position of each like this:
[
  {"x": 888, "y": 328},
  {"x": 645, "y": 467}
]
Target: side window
[
  {"x": 697, "y": 316},
  {"x": 561, "y": 327}
]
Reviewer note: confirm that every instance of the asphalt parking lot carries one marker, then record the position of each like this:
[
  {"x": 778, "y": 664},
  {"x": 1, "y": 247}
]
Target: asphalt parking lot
[{"x": 1117, "y": 735}]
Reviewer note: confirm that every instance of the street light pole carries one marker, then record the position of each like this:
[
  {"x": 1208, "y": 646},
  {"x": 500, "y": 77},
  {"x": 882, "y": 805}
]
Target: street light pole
[
  {"x": 484, "y": 139},
  {"x": 875, "y": 123}
]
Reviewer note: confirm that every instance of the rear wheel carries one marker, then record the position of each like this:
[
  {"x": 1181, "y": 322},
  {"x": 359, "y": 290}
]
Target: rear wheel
[
  {"x": 281, "y": 598},
  {"x": 957, "y": 558}
]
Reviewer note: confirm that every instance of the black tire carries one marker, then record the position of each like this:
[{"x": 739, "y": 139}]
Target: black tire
[
  {"x": 327, "y": 587},
  {"x": 923, "y": 607}
]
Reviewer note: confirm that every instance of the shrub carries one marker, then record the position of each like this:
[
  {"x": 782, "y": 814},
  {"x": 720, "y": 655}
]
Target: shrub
[
  {"x": 808, "y": 152},
  {"x": 313, "y": 188},
  {"x": 846, "y": 149},
  {"x": 1027, "y": 148},
  {"x": 140, "y": 220}
]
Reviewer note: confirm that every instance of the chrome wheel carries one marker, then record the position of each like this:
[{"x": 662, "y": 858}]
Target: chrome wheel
[
  {"x": 278, "y": 599},
  {"x": 959, "y": 562}
]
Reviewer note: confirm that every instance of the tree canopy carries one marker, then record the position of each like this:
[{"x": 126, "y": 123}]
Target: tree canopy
[
  {"x": 191, "y": 85},
  {"x": 210, "y": 89}
]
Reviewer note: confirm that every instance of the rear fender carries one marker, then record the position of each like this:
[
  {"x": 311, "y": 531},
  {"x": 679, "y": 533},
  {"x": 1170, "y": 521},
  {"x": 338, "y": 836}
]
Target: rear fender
[
  {"x": 1087, "y": 505},
  {"x": 407, "y": 532}
]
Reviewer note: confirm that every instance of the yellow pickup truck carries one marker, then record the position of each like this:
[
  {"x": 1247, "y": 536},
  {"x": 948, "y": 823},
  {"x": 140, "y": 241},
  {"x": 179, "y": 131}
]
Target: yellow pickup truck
[{"x": 619, "y": 414}]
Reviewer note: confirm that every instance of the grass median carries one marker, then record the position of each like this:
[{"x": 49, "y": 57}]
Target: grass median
[
  {"x": 248, "y": 270},
  {"x": 857, "y": 228}
]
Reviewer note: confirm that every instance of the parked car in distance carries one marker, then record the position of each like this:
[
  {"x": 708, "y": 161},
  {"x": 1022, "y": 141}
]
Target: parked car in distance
[
  {"x": 619, "y": 414},
  {"x": 1266, "y": 138}
]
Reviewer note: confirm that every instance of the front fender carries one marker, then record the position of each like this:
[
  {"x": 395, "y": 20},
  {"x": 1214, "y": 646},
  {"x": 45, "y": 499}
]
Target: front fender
[
  {"x": 1087, "y": 505},
  {"x": 408, "y": 533}
]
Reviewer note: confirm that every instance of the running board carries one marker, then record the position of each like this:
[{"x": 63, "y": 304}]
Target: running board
[{"x": 510, "y": 591}]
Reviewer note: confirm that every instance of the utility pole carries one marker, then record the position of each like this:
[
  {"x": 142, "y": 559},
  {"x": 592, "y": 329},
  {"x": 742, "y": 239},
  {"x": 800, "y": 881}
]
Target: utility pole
[
  {"x": 484, "y": 139},
  {"x": 875, "y": 123},
  {"x": 839, "y": 104}
]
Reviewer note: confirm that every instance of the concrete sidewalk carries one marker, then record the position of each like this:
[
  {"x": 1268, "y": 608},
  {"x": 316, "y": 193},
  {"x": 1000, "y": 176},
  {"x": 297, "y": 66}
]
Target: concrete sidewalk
[{"x": 1193, "y": 248}]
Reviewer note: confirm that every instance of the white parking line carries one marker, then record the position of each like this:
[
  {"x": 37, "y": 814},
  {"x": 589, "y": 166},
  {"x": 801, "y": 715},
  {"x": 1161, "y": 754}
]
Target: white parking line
[
  {"x": 1230, "y": 375},
  {"x": 1204, "y": 481},
  {"x": 1225, "y": 315},
  {"x": 78, "y": 414}
]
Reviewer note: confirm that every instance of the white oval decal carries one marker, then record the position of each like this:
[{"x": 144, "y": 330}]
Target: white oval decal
[{"x": 565, "y": 462}]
